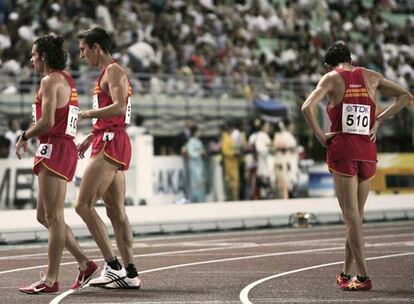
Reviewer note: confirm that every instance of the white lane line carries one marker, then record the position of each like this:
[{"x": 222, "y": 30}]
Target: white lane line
[
  {"x": 225, "y": 245},
  {"x": 135, "y": 256},
  {"x": 171, "y": 302},
  {"x": 315, "y": 300},
  {"x": 68, "y": 292},
  {"x": 250, "y": 245},
  {"x": 276, "y": 233},
  {"x": 244, "y": 294}
]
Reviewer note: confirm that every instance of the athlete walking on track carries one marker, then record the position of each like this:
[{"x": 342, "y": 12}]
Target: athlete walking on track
[
  {"x": 55, "y": 115},
  {"x": 110, "y": 157},
  {"x": 351, "y": 149}
]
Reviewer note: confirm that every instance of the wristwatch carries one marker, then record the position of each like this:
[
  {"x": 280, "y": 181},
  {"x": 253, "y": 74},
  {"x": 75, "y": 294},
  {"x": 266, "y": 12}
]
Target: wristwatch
[{"x": 23, "y": 136}]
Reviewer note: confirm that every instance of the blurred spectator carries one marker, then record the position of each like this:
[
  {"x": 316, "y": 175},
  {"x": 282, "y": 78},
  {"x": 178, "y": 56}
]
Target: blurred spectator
[
  {"x": 216, "y": 39},
  {"x": 240, "y": 141},
  {"x": 286, "y": 160},
  {"x": 138, "y": 127},
  {"x": 231, "y": 164},
  {"x": 194, "y": 150},
  {"x": 179, "y": 148},
  {"x": 4, "y": 147},
  {"x": 183, "y": 137},
  {"x": 263, "y": 147},
  {"x": 251, "y": 162},
  {"x": 12, "y": 134}
]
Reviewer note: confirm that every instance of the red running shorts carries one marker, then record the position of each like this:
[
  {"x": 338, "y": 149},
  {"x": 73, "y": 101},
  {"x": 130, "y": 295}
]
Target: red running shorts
[
  {"x": 363, "y": 169},
  {"x": 115, "y": 145}
]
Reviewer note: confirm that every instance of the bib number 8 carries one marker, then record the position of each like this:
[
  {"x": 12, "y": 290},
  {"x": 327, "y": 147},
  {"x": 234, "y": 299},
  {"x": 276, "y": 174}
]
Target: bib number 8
[{"x": 44, "y": 151}]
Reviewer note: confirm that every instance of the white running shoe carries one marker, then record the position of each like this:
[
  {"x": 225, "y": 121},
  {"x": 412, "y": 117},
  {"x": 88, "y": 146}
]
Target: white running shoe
[
  {"x": 125, "y": 283},
  {"x": 108, "y": 275}
]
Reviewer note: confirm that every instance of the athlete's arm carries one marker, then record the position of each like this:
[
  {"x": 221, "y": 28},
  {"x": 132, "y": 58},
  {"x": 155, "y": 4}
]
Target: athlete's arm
[
  {"x": 116, "y": 80},
  {"x": 48, "y": 89},
  {"x": 324, "y": 86},
  {"x": 84, "y": 145},
  {"x": 402, "y": 100}
]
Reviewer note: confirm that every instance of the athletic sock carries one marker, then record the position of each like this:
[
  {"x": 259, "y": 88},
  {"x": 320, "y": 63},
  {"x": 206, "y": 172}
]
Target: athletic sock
[
  {"x": 362, "y": 278},
  {"x": 114, "y": 263},
  {"x": 131, "y": 271}
]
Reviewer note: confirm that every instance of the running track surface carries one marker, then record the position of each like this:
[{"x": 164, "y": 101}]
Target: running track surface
[{"x": 255, "y": 266}]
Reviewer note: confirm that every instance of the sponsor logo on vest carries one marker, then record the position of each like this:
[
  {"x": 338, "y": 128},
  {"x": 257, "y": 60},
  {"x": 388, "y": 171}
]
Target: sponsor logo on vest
[{"x": 357, "y": 108}]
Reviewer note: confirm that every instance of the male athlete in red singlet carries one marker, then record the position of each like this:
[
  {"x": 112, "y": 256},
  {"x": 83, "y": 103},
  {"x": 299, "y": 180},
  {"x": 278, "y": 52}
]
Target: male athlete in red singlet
[
  {"x": 111, "y": 153},
  {"x": 351, "y": 149},
  {"x": 55, "y": 115}
]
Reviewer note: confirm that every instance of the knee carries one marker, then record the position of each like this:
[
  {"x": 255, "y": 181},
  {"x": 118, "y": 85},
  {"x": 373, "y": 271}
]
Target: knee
[
  {"x": 116, "y": 215},
  {"x": 83, "y": 210},
  {"x": 52, "y": 219},
  {"x": 42, "y": 220}
]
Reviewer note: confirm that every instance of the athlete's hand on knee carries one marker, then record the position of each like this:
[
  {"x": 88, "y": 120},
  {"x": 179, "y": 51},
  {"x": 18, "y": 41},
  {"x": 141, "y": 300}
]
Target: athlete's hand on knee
[
  {"x": 19, "y": 145},
  {"x": 84, "y": 145}
]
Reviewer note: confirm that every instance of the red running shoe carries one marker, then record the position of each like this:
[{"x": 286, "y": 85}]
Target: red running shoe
[
  {"x": 341, "y": 279},
  {"x": 85, "y": 276},
  {"x": 40, "y": 287},
  {"x": 355, "y": 285}
]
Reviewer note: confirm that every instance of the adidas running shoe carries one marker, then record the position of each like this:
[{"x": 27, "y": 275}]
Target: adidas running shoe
[
  {"x": 108, "y": 275},
  {"x": 125, "y": 283}
]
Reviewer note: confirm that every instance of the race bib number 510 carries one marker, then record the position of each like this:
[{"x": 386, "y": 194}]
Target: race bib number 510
[{"x": 356, "y": 118}]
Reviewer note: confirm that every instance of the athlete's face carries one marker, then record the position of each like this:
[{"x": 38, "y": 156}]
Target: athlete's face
[
  {"x": 88, "y": 53},
  {"x": 37, "y": 62}
]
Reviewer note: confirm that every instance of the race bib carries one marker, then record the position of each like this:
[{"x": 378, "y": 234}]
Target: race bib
[
  {"x": 71, "y": 126},
  {"x": 356, "y": 118},
  {"x": 95, "y": 105},
  {"x": 34, "y": 113},
  {"x": 128, "y": 111},
  {"x": 108, "y": 136},
  {"x": 44, "y": 150}
]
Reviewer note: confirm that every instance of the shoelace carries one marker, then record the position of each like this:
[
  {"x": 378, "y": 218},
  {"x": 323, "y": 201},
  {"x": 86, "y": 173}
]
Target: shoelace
[{"x": 42, "y": 279}]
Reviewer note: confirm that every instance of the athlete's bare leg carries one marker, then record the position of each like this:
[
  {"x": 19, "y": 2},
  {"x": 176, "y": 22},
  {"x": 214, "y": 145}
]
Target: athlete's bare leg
[
  {"x": 52, "y": 192},
  {"x": 114, "y": 199},
  {"x": 70, "y": 244},
  {"x": 349, "y": 258},
  {"x": 347, "y": 193},
  {"x": 98, "y": 175}
]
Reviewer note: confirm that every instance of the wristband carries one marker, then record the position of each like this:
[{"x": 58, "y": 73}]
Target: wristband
[{"x": 23, "y": 136}]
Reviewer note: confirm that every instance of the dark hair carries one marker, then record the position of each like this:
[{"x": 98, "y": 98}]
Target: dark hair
[
  {"x": 51, "y": 48},
  {"x": 97, "y": 35},
  {"x": 193, "y": 130},
  {"x": 337, "y": 53}
]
